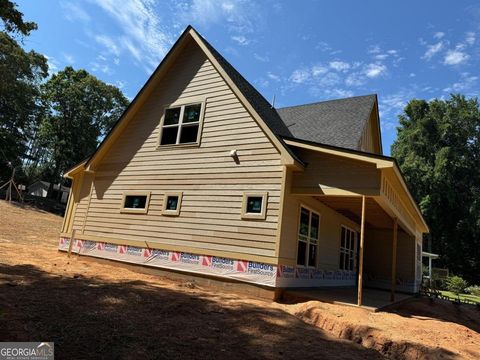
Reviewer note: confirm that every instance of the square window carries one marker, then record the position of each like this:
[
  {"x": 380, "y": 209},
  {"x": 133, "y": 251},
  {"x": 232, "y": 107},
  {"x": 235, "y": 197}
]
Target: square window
[
  {"x": 192, "y": 113},
  {"x": 181, "y": 125},
  {"x": 169, "y": 135},
  {"x": 254, "y": 206},
  {"x": 135, "y": 203},
  {"x": 172, "y": 116},
  {"x": 189, "y": 134},
  {"x": 172, "y": 203}
]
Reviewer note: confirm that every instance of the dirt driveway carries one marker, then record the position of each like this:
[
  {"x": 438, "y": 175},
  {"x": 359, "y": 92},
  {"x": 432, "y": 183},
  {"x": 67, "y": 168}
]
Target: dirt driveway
[{"x": 94, "y": 310}]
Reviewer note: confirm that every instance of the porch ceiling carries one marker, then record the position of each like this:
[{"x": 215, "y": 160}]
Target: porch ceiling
[{"x": 351, "y": 207}]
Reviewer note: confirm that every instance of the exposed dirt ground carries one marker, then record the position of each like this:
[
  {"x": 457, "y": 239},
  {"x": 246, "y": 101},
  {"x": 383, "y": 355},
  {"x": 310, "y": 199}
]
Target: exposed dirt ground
[{"x": 97, "y": 310}]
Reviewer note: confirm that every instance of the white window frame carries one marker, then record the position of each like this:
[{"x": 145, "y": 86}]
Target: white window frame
[
  {"x": 181, "y": 124},
  {"x": 124, "y": 209},
  {"x": 308, "y": 238},
  {"x": 176, "y": 212},
  {"x": 254, "y": 216},
  {"x": 347, "y": 250}
]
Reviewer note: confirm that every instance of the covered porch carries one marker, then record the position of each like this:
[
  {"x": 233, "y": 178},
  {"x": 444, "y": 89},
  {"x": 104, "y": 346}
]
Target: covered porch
[{"x": 368, "y": 191}]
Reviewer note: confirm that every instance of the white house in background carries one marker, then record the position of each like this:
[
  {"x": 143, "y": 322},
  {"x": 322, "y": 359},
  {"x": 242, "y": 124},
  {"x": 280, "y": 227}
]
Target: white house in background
[{"x": 40, "y": 188}]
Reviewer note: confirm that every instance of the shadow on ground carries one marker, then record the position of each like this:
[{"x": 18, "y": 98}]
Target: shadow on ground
[
  {"x": 443, "y": 310},
  {"x": 89, "y": 318}
]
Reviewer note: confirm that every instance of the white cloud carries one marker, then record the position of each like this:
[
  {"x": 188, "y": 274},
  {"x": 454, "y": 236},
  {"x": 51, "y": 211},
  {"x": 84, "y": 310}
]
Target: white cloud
[
  {"x": 355, "y": 79},
  {"x": 104, "y": 68},
  {"x": 432, "y": 50},
  {"x": 300, "y": 76},
  {"x": 374, "y": 70},
  {"x": 240, "y": 17},
  {"x": 108, "y": 43},
  {"x": 68, "y": 58},
  {"x": 318, "y": 70},
  {"x": 374, "y": 49},
  {"x": 455, "y": 57},
  {"x": 52, "y": 64},
  {"x": 273, "y": 76},
  {"x": 470, "y": 38},
  {"x": 241, "y": 40},
  {"x": 466, "y": 83},
  {"x": 339, "y": 65},
  {"x": 262, "y": 58},
  {"x": 140, "y": 30},
  {"x": 439, "y": 35},
  {"x": 74, "y": 12}
]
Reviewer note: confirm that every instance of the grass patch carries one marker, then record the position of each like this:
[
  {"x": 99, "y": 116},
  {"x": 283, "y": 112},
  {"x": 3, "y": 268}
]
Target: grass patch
[{"x": 462, "y": 296}]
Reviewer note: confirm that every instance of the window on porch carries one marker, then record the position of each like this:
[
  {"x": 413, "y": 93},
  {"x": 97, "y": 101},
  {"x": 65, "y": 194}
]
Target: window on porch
[
  {"x": 308, "y": 238},
  {"x": 348, "y": 251}
]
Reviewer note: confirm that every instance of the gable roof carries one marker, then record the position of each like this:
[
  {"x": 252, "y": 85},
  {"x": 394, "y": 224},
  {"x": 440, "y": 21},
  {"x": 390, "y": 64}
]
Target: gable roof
[
  {"x": 265, "y": 115},
  {"x": 335, "y": 122}
]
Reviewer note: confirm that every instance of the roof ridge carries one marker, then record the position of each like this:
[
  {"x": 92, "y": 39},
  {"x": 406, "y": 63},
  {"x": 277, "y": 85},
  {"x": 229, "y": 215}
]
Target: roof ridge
[{"x": 326, "y": 101}]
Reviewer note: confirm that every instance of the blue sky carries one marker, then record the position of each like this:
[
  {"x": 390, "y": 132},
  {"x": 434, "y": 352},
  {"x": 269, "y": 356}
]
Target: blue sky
[{"x": 299, "y": 51}]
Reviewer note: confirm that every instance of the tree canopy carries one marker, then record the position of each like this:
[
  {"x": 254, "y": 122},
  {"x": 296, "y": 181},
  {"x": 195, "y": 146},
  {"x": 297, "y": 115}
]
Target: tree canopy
[
  {"x": 438, "y": 150},
  {"x": 21, "y": 73},
  {"x": 13, "y": 19},
  {"x": 79, "y": 111}
]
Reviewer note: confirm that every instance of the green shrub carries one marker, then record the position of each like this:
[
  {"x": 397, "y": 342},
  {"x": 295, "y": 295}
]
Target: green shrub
[
  {"x": 456, "y": 285},
  {"x": 474, "y": 290}
]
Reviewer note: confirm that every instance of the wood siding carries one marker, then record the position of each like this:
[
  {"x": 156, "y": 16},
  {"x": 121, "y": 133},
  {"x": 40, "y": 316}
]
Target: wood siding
[
  {"x": 378, "y": 254},
  {"x": 330, "y": 229},
  {"x": 334, "y": 171},
  {"x": 211, "y": 181}
]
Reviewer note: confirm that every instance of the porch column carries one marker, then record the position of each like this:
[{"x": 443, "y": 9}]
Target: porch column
[
  {"x": 360, "y": 255},
  {"x": 430, "y": 270},
  {"x": 394, "y": 259}
]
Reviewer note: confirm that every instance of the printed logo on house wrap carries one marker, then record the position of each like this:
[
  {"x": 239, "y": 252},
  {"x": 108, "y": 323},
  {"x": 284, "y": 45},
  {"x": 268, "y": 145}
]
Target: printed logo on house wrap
[
  {"x": 89, "y": 245},
  {"x": 222, "y": 263},
  {"x": 160, "y": 254},
  {"x": 261, "y": 269},
  {"x": 110, "y": 248},
  {"x": 187, "y": 258},
  {"x": 135, "y": 251},
  {"x": 302, "y": 273},
  {"x": 286, "y": 272}
]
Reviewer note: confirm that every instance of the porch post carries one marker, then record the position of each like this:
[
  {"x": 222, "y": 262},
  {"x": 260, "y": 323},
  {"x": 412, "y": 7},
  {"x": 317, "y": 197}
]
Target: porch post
[
  {"x": 430, "y": 270},
  {"x": 394, "y": 259},
  {"x": 360, "y": 255}
]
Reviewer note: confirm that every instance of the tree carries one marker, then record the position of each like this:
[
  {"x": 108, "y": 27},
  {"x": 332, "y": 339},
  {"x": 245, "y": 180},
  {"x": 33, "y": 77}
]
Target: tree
[
  {"x": 21, "y": 73},
  {"x": 438, "y": 150},
  {"x": 13, "y": 19},
  {"x": 80, "y": 110}
]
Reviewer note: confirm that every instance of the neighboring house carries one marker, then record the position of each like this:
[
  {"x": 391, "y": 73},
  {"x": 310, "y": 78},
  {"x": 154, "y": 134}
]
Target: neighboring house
[
  {"x": 201, "y": 174},
  {"x": 40, "y": 188}
]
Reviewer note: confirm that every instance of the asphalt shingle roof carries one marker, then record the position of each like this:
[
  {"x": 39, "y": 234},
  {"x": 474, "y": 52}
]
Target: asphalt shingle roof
[
  {"x": 258, "y": 102},
  {"x": 335, "y": 122}
]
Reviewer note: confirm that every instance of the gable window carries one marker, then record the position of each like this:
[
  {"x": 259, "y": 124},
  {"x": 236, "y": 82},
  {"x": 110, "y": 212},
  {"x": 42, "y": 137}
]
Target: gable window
[
  {"x": 308, "y": 233},
  {"x": 254, "y": 205},
  {"x": 181, "y": 125},
  {"x": 135, "y": 202},
  {"x": 172, "y": 203},
  {"x": 348, "y": 252}
]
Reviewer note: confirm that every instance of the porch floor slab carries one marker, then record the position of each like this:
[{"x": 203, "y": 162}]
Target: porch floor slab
[{"x": 373, "y": 299}]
